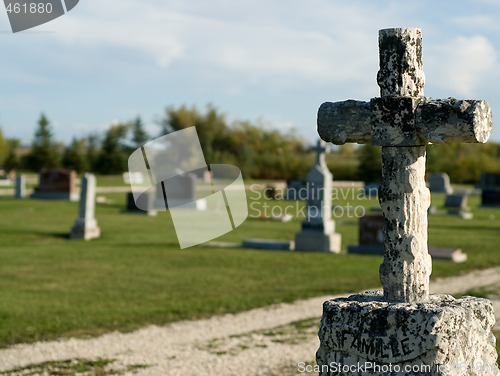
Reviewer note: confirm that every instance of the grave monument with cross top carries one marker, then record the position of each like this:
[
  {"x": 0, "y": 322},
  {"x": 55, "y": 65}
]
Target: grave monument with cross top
[{"x": 405, "y": 325}]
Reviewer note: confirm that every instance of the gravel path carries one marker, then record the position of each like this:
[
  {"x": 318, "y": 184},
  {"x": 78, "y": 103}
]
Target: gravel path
[{"x": 257, "y": 342}]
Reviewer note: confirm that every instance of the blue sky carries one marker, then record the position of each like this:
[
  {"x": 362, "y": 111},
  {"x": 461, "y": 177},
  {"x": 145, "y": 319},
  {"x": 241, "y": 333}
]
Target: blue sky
[{"x": 277, "y": 61}]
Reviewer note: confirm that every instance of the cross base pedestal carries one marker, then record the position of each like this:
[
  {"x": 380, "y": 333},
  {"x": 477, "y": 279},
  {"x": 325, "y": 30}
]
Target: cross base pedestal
[{"x": 366, "y": 335}]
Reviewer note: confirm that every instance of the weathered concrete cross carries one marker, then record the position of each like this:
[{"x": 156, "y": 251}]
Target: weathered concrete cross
[{"x": 403, "y": 121}]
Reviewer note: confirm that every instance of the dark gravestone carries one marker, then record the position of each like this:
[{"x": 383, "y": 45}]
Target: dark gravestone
[
  {"x": 179, "y": 190},
  {"x": 143, "y": 201},
  {"x": 371, "y": 236},
  {"x": 490, "y": 186},
  {"x": 371, "y": 241},
  {"x": 56, "y": 184},
  {"x": 295, "y": 189},
  {"x": 371, "y": 189},
  {"x": 457, "y": 205}
]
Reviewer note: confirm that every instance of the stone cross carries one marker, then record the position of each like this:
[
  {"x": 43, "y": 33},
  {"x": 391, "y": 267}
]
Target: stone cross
[
  {"x": 320, "y": 150},
  {"x": 403, "y": 121},
  {"x": 86, "y": 225},
  {"x": 318, "y": 229}
]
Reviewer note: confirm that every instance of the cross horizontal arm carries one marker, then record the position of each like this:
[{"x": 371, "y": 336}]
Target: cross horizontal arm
[
  {"x": 453, "y": 120},
  {"x": 432, "y": 120},
  {"x": 347, "y": 121}
]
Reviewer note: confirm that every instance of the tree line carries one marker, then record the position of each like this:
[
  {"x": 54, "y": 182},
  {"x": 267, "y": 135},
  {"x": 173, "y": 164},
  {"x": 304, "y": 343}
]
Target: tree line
[{"x": 260, "y": 151}]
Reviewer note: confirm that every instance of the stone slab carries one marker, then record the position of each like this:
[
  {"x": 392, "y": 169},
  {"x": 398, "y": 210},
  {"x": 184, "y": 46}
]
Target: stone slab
[
  {"x": 310, "y": 241},
  {"x": 366, "y": 249},
  {"x": 450, "y": 254},
  {"x": 453, "y": 254},
  {"x": 274, "y": 245},
  {"x": 440, "y": 333},
  {"x": 73, "y": 196}
]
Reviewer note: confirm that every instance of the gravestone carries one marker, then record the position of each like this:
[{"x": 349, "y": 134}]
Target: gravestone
[
  {"x": 56, "y": 184},
  {"x": 318, "y": 229},
  {"x": 181, "y": 193},
  {"x": 440, "y": 183},
  {"x": 405, "y": 327},
  {"x": 268, "y": 244},
  {"x": 5, "y": 180},
  {"x": 295, "y": 189},
  {"x": 371, "y": 241},
  {"x": 371, "y": 189},
  {"x": 20, "y": 189},
  {"x": 371, "y": 236},
  {"x": 457, "y": 205},
  {"x": 86, "y": 225},
  {"x": 145, "y": 200},
  {"x": 490, "y": 187},
  {"x": 133, "y": 177}
]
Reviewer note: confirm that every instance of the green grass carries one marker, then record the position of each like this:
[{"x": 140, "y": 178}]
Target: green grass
[{"x": 135, "y": 274}]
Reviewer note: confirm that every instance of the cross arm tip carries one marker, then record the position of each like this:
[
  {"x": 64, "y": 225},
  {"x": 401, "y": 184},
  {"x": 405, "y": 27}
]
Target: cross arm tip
[
  {"x": 347, "y": 121},
  {"x": 454, "y": 120}
]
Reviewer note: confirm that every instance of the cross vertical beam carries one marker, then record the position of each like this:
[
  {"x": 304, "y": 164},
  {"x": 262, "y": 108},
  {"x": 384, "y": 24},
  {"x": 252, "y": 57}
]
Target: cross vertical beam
[
  {"x": 403, "y": 121},
  {"x": 403, "y": 195}
]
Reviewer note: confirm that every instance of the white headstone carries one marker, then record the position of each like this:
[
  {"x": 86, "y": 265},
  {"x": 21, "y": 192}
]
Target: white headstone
[
  {"x": 318, "y": 228},
  {"x": 86, "y": 225},
  {"x": 439, "y": 182}
]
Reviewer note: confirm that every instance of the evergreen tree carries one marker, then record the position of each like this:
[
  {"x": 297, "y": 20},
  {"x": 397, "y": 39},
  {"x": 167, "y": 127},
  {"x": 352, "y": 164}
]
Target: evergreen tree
[
  {"x": 113, "y": 157},
  {"x": 370, "y": 163},
  {"x": 4, "y": 148},
  {"x": 44, "y": 152},
  {"x": 74, "y": 156},
  {"x": 139, "y": 134},
  {"x": 92, "y": 150},
  {"x": 12, "y": 160}
]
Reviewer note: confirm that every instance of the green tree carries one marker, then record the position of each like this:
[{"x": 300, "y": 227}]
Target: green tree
[
  {"x": 139, "y": 134},
  {"x": 211, "y": 127},
  {"x": 44, "y": 151},
  {"x": 113, "y": 156},
  {"x": 463, "y": 162},
  {"x": 370, "y": 163},
  {"x": 12, "y": 162},
  {"x": 4, "y": 148},
  {"x": 92, "y": 151},
  {"x": 74, "y": 156}
]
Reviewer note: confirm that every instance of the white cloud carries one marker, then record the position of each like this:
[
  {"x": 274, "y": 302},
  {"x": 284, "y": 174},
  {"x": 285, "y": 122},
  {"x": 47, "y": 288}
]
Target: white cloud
[
  {"x": 462, "y": 65},
  {"x": 251, "y": 38},
  {"x": 477, "y": 22}
]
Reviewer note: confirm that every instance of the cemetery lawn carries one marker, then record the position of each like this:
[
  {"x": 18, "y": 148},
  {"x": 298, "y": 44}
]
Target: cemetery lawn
[{"x": 135, "y": 274}]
